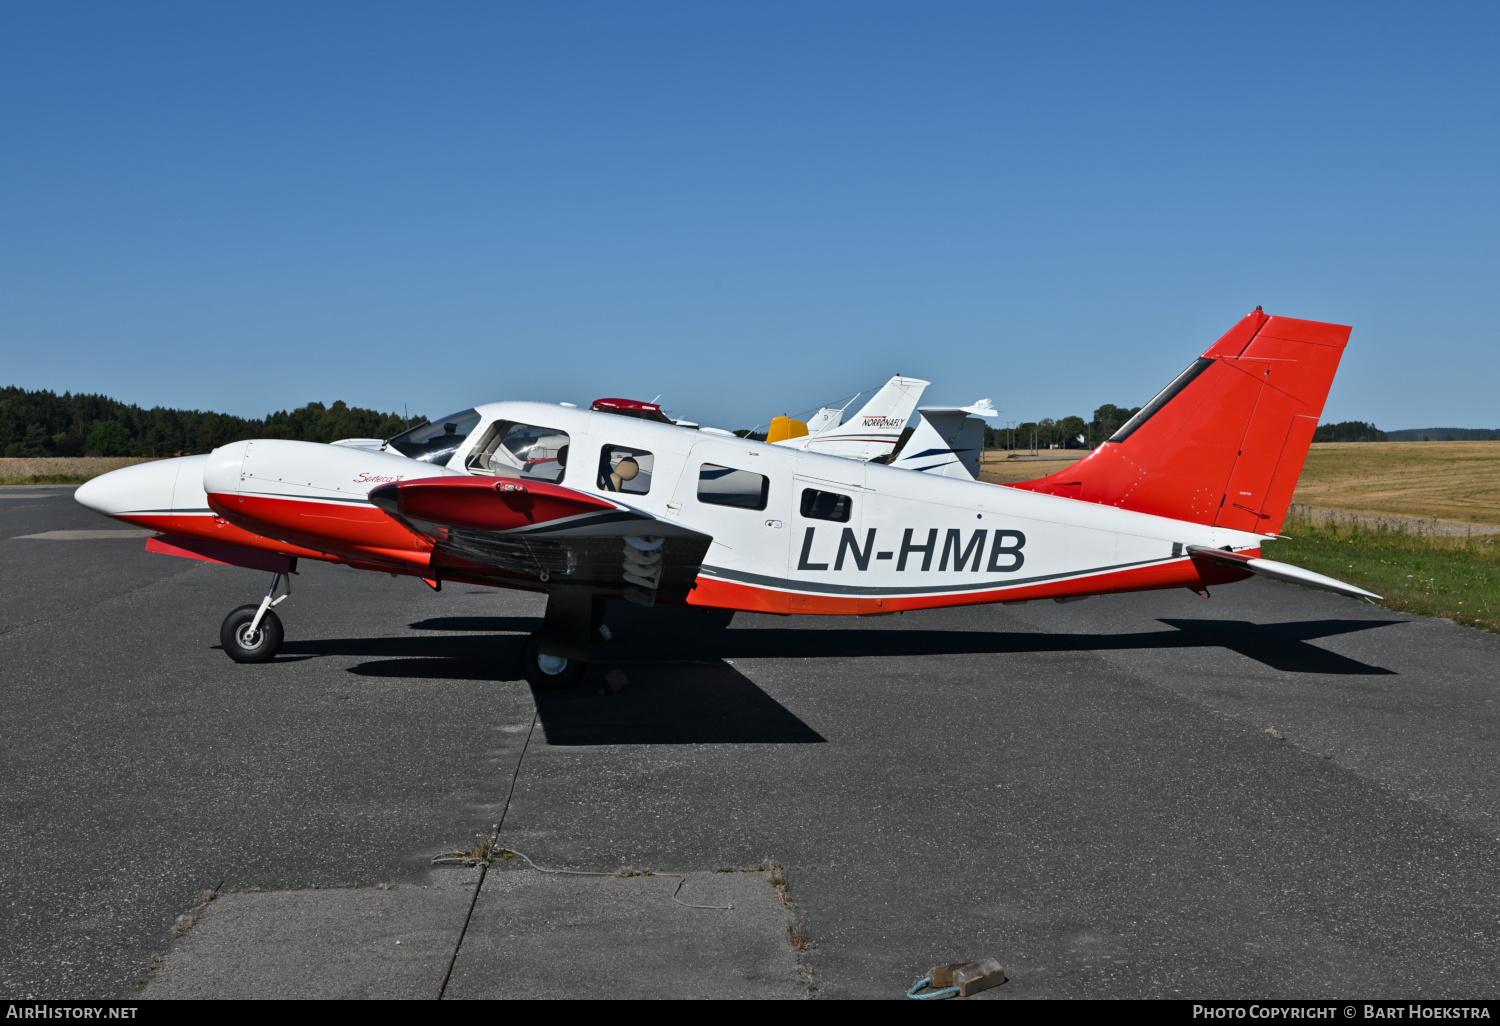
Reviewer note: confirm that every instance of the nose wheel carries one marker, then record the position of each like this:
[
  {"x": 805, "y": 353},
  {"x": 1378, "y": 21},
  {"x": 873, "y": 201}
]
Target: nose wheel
[
  {"x": 245, "y": 641},
  {"x": 253, "y": 633}
]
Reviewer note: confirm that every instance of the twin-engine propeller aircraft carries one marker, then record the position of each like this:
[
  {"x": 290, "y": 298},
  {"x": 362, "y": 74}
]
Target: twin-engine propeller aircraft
[{"x": 589, "y": 506}]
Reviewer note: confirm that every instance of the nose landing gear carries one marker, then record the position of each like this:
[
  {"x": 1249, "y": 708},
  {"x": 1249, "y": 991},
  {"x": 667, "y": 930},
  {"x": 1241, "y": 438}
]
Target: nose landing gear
[{"x": 253, "y": 633}]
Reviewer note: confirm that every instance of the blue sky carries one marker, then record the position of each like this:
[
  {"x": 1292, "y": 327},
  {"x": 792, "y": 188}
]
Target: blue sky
[{"x": 749, "y": 209}]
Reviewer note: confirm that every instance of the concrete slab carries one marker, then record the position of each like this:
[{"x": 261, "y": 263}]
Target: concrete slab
[
  {"x": 361, "y": 942},
  {"x": 535, "y": 935}
]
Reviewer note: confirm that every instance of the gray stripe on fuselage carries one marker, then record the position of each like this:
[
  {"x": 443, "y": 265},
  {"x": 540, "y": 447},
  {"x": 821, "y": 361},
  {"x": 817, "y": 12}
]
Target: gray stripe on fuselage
[
  {"x": 786, "y": 584},
  {"x": 309, "y": 498}
]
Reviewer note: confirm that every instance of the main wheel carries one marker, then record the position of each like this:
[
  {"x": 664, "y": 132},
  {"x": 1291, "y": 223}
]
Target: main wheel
[
  {"x": 244, "y": 647},
  {"x": 548, "y": 671}
]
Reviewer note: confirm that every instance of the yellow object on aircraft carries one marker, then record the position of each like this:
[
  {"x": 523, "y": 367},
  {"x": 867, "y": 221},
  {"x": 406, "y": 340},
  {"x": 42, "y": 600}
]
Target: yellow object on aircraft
[{"x": 783, "y": 428}]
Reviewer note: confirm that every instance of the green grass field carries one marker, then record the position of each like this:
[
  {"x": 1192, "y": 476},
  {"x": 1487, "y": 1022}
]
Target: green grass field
[{"x": 1453, "y": 577}]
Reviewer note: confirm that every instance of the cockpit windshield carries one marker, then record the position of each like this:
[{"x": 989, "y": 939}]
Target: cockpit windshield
[{"x": 437, "y": 440}]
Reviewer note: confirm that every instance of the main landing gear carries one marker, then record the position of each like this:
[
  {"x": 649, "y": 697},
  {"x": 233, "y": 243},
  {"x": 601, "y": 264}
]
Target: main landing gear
[
  {"x": 558, "y": 655},
  {"x": 552, "y": 672},
  {"x": 253, "y": 634}
]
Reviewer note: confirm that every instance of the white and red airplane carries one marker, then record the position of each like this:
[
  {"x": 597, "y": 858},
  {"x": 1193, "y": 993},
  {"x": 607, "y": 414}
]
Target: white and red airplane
[{"x": 614, "y": 502}]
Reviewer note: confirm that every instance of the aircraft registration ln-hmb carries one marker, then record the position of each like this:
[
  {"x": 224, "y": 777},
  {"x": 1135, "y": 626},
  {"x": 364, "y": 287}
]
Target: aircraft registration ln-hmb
[{"x": 618, "y": 503}]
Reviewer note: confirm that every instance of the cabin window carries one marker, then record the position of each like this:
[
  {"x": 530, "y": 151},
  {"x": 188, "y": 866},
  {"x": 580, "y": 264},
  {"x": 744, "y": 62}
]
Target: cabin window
[
  {"x": 625, "y": 470},
  {"x": 437, "y": 440},
  {"x": 818, "y": 505},
  {"x": 521, "y": 450},
  {"x": 725, "y": 486}
]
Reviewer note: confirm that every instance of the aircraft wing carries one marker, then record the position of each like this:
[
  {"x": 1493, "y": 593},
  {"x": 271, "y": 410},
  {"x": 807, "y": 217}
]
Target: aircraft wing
[
  {"x": 1278, "y": 571},
  {"x": 546, "y": 535}
]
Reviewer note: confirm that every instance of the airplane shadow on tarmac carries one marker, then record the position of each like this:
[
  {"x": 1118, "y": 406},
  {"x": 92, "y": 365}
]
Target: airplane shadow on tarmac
[
  {"x": 669, "y": 635},
  {"x": 664, "y": 703},
  {"x": 682, "y": 691}
]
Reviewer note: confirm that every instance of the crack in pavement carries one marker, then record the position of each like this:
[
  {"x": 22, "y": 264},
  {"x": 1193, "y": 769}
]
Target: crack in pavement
[{"x": 484, "y": 867}]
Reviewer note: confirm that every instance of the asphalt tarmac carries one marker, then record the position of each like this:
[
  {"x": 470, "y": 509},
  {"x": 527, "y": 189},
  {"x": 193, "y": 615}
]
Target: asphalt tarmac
[{"x": 1275, "y": 792}]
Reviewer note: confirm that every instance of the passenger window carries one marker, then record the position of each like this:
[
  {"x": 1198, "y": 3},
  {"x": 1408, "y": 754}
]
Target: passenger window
[
  {"x": 437, "y": 440},
  {"x": 725, "y": 486},
  {"x": 818, "y": 505},
  {"x": 626, "y": 470},
  {"x": 521, "y": 450}
]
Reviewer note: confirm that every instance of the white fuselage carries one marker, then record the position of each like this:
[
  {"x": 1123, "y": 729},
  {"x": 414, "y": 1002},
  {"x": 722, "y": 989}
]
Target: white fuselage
[
  {"x": 1044, "y": 537},
  {"x": 898, "y": 535}
]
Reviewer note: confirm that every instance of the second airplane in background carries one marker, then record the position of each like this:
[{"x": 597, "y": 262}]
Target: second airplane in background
[{"x": 870, "y": 434}]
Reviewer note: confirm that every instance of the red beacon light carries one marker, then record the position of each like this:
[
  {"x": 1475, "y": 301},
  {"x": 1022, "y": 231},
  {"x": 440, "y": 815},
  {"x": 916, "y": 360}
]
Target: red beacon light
[{"x": 631, "y": 408}]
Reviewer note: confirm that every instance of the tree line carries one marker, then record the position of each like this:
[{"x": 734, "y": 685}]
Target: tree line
[
  {"x": 1062, "y": 433},
  {"x": 43, "y": 423},
  {"x": 1349, "y": 431},
  {"x": 1076, "y": 433}
]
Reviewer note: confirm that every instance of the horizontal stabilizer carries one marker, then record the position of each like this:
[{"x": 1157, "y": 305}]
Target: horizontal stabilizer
[
  {"x": 981, "y": 408},
  {"x": 1278, "y": 571}
]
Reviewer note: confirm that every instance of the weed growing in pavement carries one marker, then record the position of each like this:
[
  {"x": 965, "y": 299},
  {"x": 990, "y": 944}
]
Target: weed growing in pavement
[
  {"x": 188, "y": 920},
  {"x": 486, "y": 849}
]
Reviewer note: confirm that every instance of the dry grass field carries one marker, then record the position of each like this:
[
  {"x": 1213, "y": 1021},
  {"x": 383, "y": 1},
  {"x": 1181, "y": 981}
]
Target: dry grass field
[
  {"x": 61, "y": 470},
  {"x": 1449, "y": 480},
  {"x": 997, "y": 468}
]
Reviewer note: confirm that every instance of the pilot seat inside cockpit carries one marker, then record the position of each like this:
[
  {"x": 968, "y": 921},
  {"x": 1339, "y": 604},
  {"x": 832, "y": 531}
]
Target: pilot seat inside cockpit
[{"x": 509, "y": 449}]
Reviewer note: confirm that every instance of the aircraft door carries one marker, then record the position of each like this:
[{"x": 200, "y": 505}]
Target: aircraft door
[
  {"x": 742, "y": 497},
  {"x": 830, "y": 545}
]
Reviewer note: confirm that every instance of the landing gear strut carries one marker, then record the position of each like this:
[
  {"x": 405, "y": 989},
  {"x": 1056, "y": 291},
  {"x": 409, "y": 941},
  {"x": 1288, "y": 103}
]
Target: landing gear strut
[
  {"x": 558, "y": 655},
  {"x": 253, "y": 634}
]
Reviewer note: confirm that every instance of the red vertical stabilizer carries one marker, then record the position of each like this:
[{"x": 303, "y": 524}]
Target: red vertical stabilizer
[{"x": 1224, "y": 443}]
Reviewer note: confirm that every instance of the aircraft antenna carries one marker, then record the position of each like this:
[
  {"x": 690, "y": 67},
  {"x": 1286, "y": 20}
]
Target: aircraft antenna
[{"x": 847, "y": 404}]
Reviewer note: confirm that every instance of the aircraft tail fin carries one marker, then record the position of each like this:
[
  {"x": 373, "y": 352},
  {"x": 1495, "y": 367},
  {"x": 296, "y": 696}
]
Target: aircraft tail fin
[
  {"x": 1225, "y": 442},
  {"x": 892, "y": 406},
  {"x": 874, "y": 431},
  {"x": 948, "y": 442}
]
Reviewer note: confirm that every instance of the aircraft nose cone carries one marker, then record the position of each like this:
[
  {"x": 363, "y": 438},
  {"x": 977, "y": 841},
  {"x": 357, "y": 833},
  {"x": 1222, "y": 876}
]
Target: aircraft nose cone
[
  {"x": 143, "y": 488},
  {"x": 95, "y": 494}
]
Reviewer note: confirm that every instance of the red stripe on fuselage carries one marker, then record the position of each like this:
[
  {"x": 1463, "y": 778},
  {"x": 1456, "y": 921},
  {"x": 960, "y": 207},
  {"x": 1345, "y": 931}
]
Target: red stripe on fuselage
[{"x": 1182, "y": 573}]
